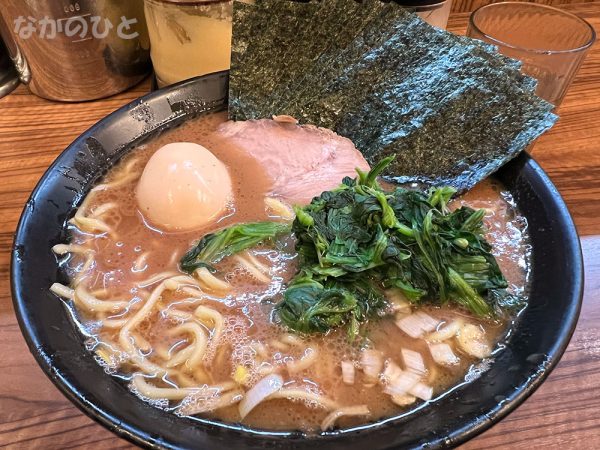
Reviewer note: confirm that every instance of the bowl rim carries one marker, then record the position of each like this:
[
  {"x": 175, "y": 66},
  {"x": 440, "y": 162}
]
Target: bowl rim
[{"x": 144, "y": 438}]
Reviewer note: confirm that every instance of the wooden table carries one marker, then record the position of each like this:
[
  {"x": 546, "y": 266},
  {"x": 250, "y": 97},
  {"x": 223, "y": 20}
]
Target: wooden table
[{"x": 564, "y": 413}]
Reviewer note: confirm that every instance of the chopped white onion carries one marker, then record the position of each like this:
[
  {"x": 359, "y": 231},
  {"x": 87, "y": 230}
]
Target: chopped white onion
[
  {"x": 401, "y": 315},
  {"x": 372, "y": 363},
  {"x": 471, "y": 339},
  {"x": 398, "y": 301},
  {"x": 446, "y": 332},
  {"x": 403, "y": 399},
  {"x": 428, "y": 323},
  {"x": 402, "y": 384},
  {"x": 348, "y": 372},
  {"x": 421, "y": 391},
  {"x": 433, "y": 374},
  {"x": 391, "y": 371},
  {"x": 442, "y": 354},
  {"x": 329, "y": 421},
  {"x": 411, "y": 325},
  {"x": 413, "y": 361},
  {"x": 259, "y": 392},
  {"x": 417, "y": 324}
]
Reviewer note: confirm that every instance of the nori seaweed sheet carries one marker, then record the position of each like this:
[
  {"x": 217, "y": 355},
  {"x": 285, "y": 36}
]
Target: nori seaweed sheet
[
  {"x": 270, "y": 53},
  {"x": 329, "y": 65},
  {"x": 452, "y": 109}
]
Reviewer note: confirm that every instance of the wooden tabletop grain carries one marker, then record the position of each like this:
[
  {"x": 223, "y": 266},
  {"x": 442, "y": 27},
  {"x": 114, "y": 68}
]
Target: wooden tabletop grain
[{"x": 564, "y": 413}]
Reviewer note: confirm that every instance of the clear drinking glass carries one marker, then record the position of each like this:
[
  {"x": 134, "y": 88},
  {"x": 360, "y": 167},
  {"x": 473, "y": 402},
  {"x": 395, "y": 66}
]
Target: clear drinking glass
[
  {"x": 550, "y": 42},
  {"x": 188, "y": 38}
]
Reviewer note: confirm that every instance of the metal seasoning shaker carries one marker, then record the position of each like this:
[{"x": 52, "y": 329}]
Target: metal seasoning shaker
[{"x": 76, "y": 50}]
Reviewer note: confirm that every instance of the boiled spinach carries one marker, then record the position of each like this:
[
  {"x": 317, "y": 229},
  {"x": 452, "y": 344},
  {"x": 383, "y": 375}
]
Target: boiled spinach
[{"x": 357, "y": 240}]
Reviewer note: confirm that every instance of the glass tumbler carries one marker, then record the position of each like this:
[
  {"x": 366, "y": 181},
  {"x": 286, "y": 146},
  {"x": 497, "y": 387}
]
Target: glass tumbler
[
  {"x": 188, "y": 38},
  {"x": 550, "y": 42}
]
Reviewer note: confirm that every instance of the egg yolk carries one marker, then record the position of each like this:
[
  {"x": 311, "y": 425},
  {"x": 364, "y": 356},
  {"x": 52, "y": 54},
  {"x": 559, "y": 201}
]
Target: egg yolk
[{"x": 183, "y": 187}]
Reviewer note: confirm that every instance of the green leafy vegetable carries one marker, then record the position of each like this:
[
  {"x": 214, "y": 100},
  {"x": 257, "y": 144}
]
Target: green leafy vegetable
[
  {"x": 311, "y": 306},
  {"x": 357, "y": 239},
  {"x": 229, "y": 241}
]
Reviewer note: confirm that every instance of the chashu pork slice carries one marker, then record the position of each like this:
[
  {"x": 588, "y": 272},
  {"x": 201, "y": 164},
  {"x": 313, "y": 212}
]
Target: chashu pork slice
[{"x": 302, "y": 160}]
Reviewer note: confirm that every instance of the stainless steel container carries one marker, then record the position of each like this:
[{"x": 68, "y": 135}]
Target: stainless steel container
[
  {"x": 8, "y": 76},
  {"x": 76, "y": 50}
]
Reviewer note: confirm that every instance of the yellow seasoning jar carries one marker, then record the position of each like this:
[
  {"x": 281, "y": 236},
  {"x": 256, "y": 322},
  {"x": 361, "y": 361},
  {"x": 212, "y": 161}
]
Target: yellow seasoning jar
[{"x": 188, "y": 38}]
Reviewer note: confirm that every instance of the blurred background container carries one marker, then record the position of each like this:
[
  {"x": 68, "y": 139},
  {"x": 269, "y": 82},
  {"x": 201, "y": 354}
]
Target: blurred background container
[
  {"x": 188, "y": 38},
  {"x": 472, "y": 5},
  {"x": 78, "y": 50},
  {"x": 434, "y": 12},
  {"x": 8, "y": 75},
  {"x": 551, "y": 42}
]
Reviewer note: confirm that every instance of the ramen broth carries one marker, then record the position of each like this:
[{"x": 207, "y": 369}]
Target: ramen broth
[{"x": 133, "y": 259}]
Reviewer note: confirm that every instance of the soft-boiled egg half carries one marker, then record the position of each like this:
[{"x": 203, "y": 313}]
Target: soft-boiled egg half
[{"x": 183, "y": 187}]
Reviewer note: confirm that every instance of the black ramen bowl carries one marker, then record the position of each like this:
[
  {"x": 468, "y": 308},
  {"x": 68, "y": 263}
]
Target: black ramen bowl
[{"x": 532, "y": 350}]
